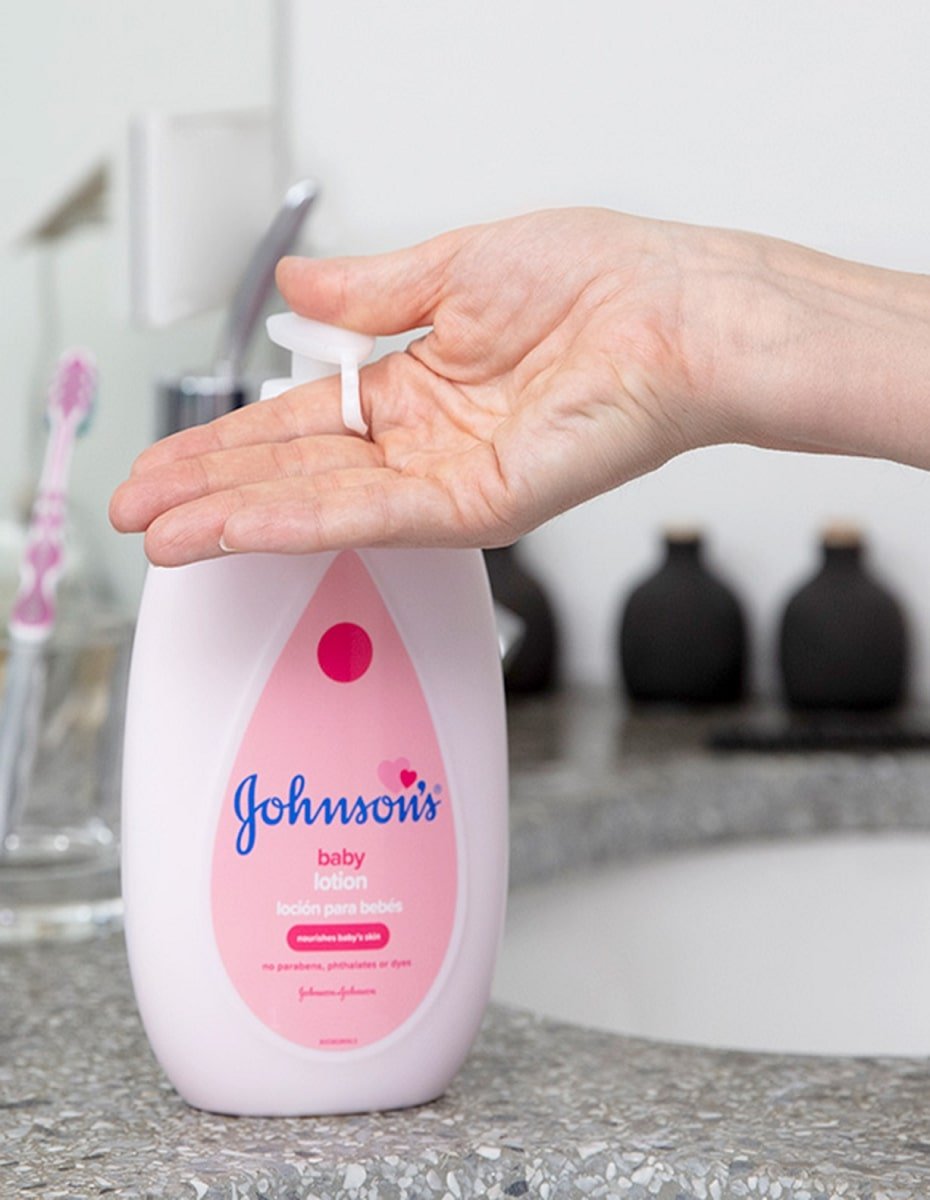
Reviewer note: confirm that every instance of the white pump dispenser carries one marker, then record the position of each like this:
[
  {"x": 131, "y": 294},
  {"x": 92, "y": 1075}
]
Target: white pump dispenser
[
  {"x": 314, "y": 813},
  {"x": 315, "y": 349}
]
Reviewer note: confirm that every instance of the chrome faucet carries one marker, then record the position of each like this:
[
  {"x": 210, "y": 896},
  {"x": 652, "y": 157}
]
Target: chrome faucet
[{"x": 193, "y": 399}]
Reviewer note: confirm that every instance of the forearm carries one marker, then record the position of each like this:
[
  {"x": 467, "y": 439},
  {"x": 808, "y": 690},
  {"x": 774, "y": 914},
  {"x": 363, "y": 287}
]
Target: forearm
[{"x": 808, "y": 352}]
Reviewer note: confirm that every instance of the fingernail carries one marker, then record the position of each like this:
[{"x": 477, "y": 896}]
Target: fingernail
[{"x": 225, "y": 547}]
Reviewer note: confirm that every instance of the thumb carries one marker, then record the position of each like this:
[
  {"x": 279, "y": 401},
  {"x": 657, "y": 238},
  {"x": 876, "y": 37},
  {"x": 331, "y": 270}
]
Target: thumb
[{"x": 377, "y": 294}]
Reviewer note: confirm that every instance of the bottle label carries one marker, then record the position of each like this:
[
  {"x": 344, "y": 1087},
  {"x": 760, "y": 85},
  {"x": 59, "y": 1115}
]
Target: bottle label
[{"x": 334, "y": 871}]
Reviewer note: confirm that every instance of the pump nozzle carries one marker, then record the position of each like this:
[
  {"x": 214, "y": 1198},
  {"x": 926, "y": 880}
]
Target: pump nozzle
[{"x": 315, "y": 349}]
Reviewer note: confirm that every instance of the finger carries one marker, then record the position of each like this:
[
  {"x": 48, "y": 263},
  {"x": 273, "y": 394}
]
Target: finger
[
  {"x": 386, "y": 509},
  {"x": 312, "y": 408},
  {"x": 371, "y": 507},
  {"x": 192, "y": 531},
  {"x": 142, "y": 498},
  {"x": 378, "y": 294}
]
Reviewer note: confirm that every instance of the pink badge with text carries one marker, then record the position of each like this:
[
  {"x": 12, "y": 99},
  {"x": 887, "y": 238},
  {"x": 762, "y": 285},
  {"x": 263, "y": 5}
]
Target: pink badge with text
[{"x": 334, "y": 869}]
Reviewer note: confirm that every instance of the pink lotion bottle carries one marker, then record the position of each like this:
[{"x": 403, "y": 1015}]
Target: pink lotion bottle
[{"x": 314, "y": 813}]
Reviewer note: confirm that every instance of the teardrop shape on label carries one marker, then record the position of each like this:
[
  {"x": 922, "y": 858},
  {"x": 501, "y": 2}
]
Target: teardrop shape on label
[{"x": 311, "y": 834}]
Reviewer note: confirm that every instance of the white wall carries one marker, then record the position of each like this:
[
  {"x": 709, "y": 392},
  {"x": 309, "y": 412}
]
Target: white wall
[
  {"x": 72, "y": 74},
  {"x": 808, "y": 119}
]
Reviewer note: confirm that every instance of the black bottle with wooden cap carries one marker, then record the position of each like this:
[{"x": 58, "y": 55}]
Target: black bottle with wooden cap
[
  {"x": 682, "y": 632},
  {"x": 843, "y": 642}
]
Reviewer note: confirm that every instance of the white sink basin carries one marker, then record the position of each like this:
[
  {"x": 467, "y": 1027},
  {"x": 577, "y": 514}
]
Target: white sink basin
[{"x": 814, "y": 946}]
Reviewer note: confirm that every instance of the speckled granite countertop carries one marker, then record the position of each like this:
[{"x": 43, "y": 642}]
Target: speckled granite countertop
[
  {"x": 540, "y": 1109},
  {"x": 591, "y": 783}
]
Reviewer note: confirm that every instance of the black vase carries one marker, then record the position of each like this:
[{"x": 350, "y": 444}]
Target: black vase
[
  {"x": 682, "y": 632},
  {"x": 534, "y": 667},
  {"x": 843, "y": 642}
]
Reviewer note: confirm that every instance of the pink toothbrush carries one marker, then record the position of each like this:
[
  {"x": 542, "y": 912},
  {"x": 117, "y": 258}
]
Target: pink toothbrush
[{"x": 70, "y": 403}]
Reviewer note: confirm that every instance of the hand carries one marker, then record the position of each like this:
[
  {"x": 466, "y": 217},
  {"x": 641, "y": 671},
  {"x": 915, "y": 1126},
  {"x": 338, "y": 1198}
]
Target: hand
[{"x": 552, "y": 371}]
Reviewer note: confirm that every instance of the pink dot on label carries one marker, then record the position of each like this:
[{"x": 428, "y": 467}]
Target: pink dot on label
[{"x": 344, "y": 652}]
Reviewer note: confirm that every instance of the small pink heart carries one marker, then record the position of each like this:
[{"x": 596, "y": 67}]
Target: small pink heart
[
  {"x": 390, "y": 772},
  {"x": 408, "y": 778}
]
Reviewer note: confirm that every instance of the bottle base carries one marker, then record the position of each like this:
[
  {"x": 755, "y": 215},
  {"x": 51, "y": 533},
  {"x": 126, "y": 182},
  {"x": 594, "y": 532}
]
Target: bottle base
[
  {"x": 59, "y": 902},
  {"x": 70, "y": 922},
  {"x": 310, "y": 1109}
]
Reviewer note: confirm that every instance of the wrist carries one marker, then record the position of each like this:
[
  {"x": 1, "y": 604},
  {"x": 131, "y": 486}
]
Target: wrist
[{"x": 808, "y": 352}]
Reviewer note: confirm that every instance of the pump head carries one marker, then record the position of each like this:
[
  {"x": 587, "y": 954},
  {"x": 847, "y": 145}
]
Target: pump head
[{"x": 316, "y": 349}]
